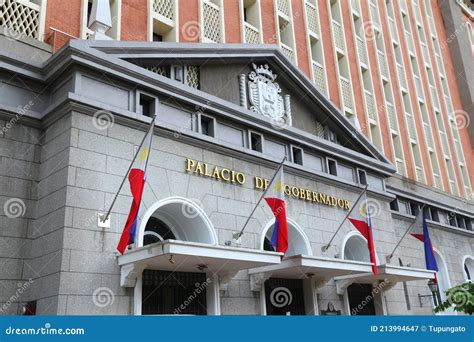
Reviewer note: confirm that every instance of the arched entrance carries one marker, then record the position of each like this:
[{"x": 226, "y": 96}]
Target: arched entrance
[
  {"x": 185, "y": 219},
  {"x": 443, "y": 281},
  {"x": 468, "y": 268},
  {"x": 298, "y": 241},
  {"x": 284, "y": 296},
  {"x": 165, "y": 292},
  {"x": 361, "y": 299}
]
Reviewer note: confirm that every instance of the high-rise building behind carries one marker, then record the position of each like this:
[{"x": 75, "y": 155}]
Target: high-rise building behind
[{"x": 392, "y": 67}]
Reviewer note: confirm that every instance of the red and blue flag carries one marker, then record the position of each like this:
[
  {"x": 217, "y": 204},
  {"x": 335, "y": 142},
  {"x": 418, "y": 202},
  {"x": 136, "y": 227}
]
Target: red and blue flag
[
  {"x": 362, "y": 221},
  {"x": 275, "y": 198},
  {"x": 136, "y": 178},
  {"x": 420, "y": 232}
]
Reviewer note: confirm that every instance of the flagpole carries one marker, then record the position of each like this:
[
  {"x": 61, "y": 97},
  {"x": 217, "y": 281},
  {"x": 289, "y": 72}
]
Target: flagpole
[
  {"x": 406, "y": 233},
  {"x": 238, "y": 235},
  {"x": 104, "y": 218},
  {"x": 326, "y": 247}
]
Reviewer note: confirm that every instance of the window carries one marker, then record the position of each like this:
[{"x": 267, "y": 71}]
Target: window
[
  {"x": 177, "y": 73},
  {"x": 146, "y": 105},
  {"x": 469, "y": 268},
  {"x": 251, "y": 24},
  {"x": 297, "y": 155},
  {"x": 461, "y": 222},
  {"x": 427, "y": 213},
  {"x": 29, "y": 308},
  {"x": 362, "y": 176},
  {"x": 443, "y": 217},
  {"x": 332, "y": 167},
  {"x": 434, "y": 214},
  {"x": 414, "y": 208},
  {"x": 212, "y": 21},
  {"x": 452, "y": 219},
  {"x": 404, "y": 207},
  {"x": 394, "y": 205},
  {"x": 155, "y": 231},
  {"x": 207, "y": 125},
  {"x": 468, "y": 224},
  {"x": 163, "y": 21},
  {"x": 330, "y": 135},
  {"x": 256, "y": 142}
]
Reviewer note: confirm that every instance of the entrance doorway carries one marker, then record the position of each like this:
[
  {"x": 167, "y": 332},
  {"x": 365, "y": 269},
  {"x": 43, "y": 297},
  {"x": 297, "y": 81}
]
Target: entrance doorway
[
  {"x": 168, "y": 293},
  {"x": 361, "y": 300},
  {"x": 284, "y": 296}
]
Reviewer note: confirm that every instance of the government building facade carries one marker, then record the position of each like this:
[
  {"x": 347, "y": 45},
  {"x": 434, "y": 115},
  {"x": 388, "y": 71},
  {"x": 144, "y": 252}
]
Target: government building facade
[{"x": 352, "y": 96}]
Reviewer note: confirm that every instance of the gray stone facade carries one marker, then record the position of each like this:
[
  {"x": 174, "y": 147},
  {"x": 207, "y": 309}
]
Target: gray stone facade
[{"x": 64, "y": 166}]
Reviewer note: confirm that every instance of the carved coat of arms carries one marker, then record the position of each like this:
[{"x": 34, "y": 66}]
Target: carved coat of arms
[{"x": 264, "y": 95}]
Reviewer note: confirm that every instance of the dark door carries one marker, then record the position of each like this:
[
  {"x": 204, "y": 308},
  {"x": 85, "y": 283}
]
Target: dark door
[
  {"x": 284, "y": 296},
  {"x": 361, "y": 300},
  {"x": 168, "y": 293}
]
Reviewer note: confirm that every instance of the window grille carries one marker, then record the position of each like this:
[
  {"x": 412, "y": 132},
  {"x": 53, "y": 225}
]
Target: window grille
[
  {"x": 21, "y": 17},
  {"x": 164, "y": 8},
  {"x": 211, "y": 21},
  {"x": 338, "y": 35},
  {"x": 313, "y": 18},
  {"x": 252, "y": 34},
  {"x": 319, "y": 77},
  {"x": 346, "y": 93},
  {"x": 369, "y": 102},
  {"x": 283, "y": 7},
  {"x": 160, "y": 70},
  {"x": 192, "y": 76}
]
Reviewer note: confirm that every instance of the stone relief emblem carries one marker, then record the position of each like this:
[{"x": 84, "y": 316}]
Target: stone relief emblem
[{"x": 265, "y": 98}]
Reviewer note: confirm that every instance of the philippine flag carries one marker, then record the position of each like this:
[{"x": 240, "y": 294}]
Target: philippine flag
[
  {"x": 275, "y": 198},
  {"x": 420, "y": 232},
  {"x": 136, "y": 178},
  {"x": 362, "y": 221}
]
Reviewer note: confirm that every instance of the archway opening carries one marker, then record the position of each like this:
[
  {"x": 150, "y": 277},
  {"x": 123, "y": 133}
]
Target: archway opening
[
  {"x": 284, "y": 296},
  {"x": 442, "y": 276},
  {"x": 468, "y": 268},
  {"x": 298, "y": 243},
  {"x": 361, "y": 299},
  {"x": 176, "y": 218},
  {"x": 161, "y": 291},
  {"x": 356, "y": 249}
]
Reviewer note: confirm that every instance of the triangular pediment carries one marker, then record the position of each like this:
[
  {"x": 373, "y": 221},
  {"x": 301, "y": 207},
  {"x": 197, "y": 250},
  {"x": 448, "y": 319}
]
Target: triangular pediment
[{"x": 216, "y": 69}]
